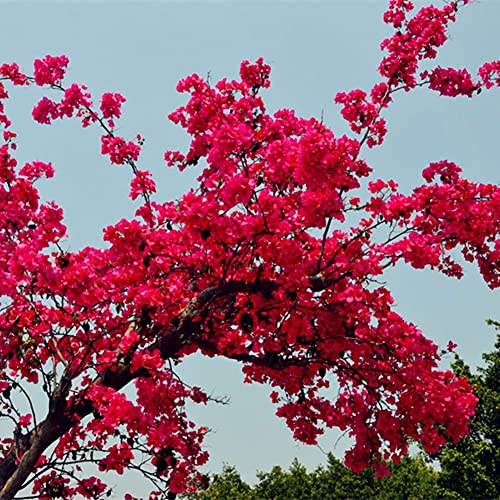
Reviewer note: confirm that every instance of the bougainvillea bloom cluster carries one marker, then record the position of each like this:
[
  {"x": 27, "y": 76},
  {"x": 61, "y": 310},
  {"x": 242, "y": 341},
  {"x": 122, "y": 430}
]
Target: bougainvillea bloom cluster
[{"x": 256, "y": 263}]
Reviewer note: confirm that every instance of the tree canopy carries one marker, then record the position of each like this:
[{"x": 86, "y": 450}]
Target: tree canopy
[{"x": 274, "y": 260}]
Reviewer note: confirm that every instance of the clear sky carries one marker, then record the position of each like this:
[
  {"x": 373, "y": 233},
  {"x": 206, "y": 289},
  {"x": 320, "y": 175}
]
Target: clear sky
[{"x": 315, "y": 48}]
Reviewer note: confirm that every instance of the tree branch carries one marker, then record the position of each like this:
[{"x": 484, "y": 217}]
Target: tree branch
[{"x": 63, "y": 415}]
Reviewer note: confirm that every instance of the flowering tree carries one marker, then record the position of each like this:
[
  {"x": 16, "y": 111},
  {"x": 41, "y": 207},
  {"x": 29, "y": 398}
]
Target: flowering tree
[{"x": 272, "y": 261}]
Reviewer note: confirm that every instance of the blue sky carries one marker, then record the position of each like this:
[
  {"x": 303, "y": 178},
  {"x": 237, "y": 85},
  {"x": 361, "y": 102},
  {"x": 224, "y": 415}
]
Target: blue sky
[{"x": 316, "y": 48}]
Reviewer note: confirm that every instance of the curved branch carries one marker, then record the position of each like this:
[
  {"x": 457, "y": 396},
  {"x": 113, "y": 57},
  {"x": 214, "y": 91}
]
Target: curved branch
[{"x": 63, "y": 415}]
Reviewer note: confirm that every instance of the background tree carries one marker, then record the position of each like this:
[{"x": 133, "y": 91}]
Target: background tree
[
  {"x": 334, "y": 481},
  {"x": 261, "y": 264},
  {"x": 409, "y": 479},
  {"x": 294, "y": 483},
  {"x": 227, "y": 484}
]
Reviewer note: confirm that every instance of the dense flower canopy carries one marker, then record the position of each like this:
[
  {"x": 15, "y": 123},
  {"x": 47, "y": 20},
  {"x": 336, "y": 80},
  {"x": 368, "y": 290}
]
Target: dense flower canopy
[{"x": 271, "y": 260}]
